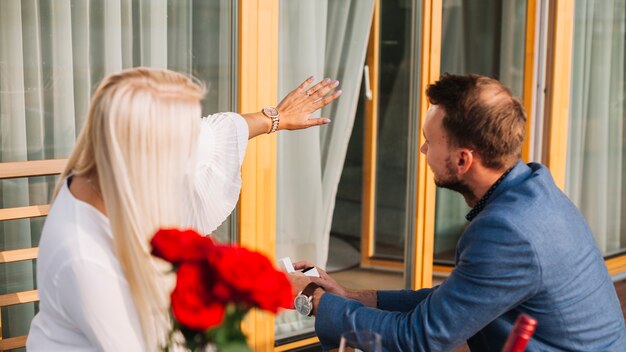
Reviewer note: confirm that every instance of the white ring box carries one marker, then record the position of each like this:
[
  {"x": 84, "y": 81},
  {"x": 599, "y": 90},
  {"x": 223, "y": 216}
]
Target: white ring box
[{"x": 288, "y": 265}]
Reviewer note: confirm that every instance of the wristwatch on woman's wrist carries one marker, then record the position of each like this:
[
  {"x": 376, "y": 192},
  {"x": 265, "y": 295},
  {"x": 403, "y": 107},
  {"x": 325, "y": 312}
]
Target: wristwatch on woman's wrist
[
  {"x": 304, "y": 300},
  {"x": 273, "y": 114}
]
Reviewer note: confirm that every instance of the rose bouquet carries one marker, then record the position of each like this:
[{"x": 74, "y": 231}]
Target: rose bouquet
[{"x": 216, "y": 285}]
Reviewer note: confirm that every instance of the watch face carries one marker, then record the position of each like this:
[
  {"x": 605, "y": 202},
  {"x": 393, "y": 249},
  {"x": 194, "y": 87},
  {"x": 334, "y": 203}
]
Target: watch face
[
  {"x": 270, "y": 111},
  {"x": 303, "y": 305}
]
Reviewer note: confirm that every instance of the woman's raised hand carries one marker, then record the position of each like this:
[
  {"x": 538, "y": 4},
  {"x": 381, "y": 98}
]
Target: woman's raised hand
[{"x": 296, "y": 108}]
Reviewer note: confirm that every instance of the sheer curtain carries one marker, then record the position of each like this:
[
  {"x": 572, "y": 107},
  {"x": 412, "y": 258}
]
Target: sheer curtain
[
  {"x": 327, "y": 38},
  {"x": 310, "y": 161},
  {"x": 486, "y": 38},
  {"x": 52, "y": 55},
  {"x": 595, "y": 165}
]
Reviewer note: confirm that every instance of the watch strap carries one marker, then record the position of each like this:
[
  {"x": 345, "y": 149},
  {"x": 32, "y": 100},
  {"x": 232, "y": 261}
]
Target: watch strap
[{"x": 310, "y": 288}]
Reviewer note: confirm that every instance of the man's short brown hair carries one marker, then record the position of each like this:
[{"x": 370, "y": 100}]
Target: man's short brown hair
[{"x": 481, "y": 114}]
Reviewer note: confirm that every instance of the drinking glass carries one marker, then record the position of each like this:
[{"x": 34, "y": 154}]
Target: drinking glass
[{"x": 360, "y": 341}]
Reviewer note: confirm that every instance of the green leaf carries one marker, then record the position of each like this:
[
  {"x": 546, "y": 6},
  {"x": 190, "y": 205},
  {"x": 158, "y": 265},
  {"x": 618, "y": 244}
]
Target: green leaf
[{"x": 234, "y": 347}]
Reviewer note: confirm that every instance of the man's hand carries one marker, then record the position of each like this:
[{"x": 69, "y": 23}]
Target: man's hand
[
  {"x": 325, "y": 281},
  {"x": 367, "y": 297},
  {"x": 298, "y": 282}
]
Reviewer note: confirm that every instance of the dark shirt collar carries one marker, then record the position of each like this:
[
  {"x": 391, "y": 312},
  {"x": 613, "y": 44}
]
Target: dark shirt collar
[{"x": 483, "y": 201}]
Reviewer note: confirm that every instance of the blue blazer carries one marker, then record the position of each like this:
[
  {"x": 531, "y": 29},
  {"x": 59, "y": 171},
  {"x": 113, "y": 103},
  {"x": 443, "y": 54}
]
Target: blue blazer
[{"x": 529, "y": 250}]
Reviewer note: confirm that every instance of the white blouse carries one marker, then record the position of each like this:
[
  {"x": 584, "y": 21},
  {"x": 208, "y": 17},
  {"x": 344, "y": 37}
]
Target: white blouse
[{"x": 85, "y": 301}]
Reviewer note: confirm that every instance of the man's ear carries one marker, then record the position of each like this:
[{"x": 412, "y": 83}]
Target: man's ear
[{"x": 465, "y": 159}]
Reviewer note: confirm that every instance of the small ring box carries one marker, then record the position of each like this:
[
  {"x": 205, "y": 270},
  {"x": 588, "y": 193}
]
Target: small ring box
[
  {"x": 312, "y": 271},
  {"x": 288, "y": 265}
]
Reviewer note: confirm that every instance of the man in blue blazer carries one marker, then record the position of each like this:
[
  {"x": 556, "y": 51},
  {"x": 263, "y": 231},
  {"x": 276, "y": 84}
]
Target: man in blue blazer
[{"x": 526, "y": 248}]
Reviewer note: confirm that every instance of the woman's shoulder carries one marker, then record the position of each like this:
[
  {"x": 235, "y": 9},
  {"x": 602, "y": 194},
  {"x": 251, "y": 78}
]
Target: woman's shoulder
[{"x": 75, "y": 232}]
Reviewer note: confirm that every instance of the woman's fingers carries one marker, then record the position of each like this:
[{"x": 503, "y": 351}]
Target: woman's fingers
[
  {"x": 326, "y": 100},
  {"x": 324, "y": 89},
  {"x": 304, "y": 84},
  {"x": 296, "y": 108},
  {"x": 321, "y": 84},
  {"x": 317, "y": 122}
]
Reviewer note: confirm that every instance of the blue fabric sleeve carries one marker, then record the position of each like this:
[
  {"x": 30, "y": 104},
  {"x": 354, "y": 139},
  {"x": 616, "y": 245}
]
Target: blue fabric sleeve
[
  {"x": 490, "y": 278},
  {"x": 402, "y": 300}
]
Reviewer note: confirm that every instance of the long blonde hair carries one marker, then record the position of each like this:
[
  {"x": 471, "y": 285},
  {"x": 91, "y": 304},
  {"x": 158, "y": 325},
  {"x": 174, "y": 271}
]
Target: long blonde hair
[{"x": 138, "y": 139}]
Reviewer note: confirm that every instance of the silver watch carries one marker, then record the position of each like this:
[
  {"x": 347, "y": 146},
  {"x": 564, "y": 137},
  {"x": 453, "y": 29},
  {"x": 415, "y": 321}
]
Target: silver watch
[
  {"x": 304, "y": 300},
  {"x": 273, "y": 114}
]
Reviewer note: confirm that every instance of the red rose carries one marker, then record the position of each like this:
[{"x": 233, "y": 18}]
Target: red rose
[
  {"x": 241, "y": 268},
  {"x": 224, "y": 292},
  {"x": 274, "y": 293},
  {"x": 220, "y": 289},
  {"x": 252, "y": 277},
  {"x": 212, "y": 277},
  {"x": 177, "y": 246},
  {"x": 193, "y": 304}
]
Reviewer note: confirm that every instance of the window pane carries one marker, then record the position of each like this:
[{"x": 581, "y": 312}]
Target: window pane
[
  {"x": 487, "y": 38},
  {"x": 52, "y": 56},
  {"x": 393, "y": 151},
  {"x": 595, "y": 155}
]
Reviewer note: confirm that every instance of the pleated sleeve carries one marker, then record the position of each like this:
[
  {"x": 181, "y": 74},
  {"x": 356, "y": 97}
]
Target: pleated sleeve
[{"x": 215, "y": 172}]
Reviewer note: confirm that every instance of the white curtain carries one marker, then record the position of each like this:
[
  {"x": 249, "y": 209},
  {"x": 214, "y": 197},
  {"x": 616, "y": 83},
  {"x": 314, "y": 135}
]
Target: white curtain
[
  {"x": 326, "y": 38},
  {"x": 487, "y": 38},
  {"x": 595, "y": 165},
  {"x": 52, "y": 56}
]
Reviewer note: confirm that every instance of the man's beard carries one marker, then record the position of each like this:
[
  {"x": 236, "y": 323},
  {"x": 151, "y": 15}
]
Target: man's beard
[{"x": 452, "y": 182}]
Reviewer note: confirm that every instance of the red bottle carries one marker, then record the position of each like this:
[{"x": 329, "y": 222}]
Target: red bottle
[{"x": 520, "y": 334}]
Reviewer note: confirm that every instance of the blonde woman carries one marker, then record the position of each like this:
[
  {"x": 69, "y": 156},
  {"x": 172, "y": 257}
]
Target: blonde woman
[{"x": 144, "y": 160}]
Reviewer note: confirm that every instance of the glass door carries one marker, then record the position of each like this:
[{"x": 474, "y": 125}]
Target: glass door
[
  {"x": 325, "y": 39},
  {"x": 396, "y": 131},
  {"x": 375, "y": 202},
  {"x": 596, "y": 154},
  {"x": 487, "y": 38}
]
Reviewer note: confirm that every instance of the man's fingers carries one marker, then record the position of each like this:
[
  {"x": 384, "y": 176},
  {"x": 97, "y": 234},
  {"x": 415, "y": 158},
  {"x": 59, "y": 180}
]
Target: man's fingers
[
  {"x": 302, "y": 265},
  {"x": 321, "y": 282}
]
